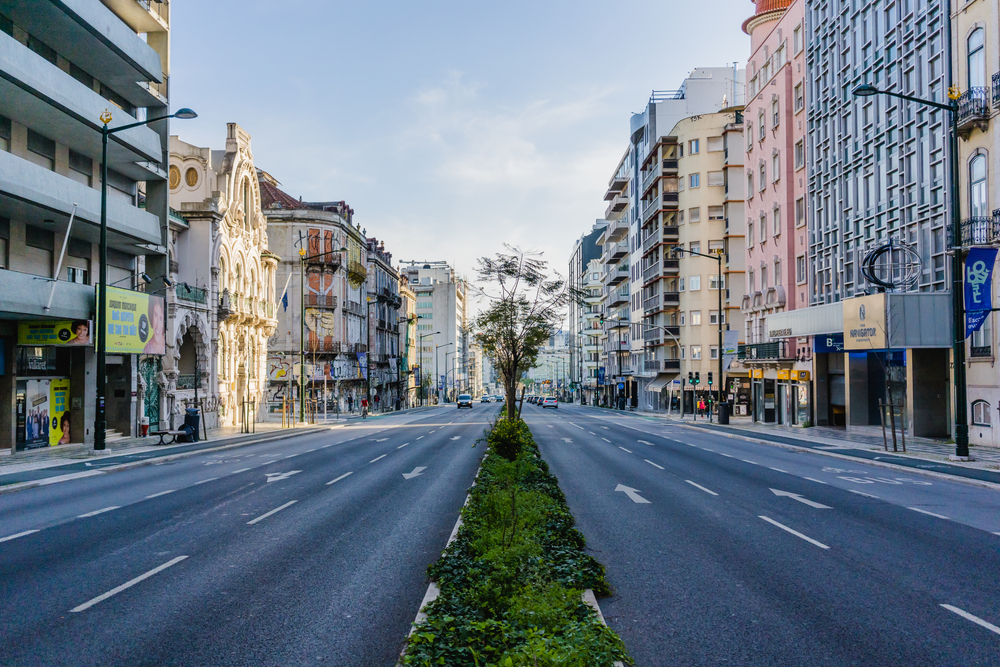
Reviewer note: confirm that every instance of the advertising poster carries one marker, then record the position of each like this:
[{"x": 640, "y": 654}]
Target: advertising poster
[
  {"x": 36, "y": 422},
  {"x": 363, "y": 365},
  {"x": 864, "y": 322},
  {"x": 134, "y": 323},
  {"x": 55, "y": 332},
  {"x": 978, "y": 287},
  {"x": 59, "y": 428}
]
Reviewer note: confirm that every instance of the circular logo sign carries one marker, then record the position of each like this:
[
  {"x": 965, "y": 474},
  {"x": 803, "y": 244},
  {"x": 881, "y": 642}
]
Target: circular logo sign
[
  {"x": 861, "y": 312},
  {"x": 143, "y": 328},
  {"x": 64, "y": 334}
]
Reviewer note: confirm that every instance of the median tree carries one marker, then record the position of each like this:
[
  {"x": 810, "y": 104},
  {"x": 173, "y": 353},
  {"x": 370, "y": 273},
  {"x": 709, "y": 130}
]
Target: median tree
[{"x": 526, "y": 303}]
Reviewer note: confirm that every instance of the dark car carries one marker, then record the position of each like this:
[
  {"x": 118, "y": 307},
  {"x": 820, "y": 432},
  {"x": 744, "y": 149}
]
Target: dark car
[{"x": 465, "y": 401}]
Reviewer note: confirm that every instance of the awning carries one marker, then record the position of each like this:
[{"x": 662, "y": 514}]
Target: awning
[{"x": 660, "y": 381}]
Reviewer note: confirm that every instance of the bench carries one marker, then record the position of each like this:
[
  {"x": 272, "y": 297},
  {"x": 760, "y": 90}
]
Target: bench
[{"x": 163, "y": 434}]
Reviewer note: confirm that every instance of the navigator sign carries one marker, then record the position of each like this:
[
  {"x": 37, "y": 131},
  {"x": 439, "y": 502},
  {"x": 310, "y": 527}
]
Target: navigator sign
[{"x": 864, "y": 322}]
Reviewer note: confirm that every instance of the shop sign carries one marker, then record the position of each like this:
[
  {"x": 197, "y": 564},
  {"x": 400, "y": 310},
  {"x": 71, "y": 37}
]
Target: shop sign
[
  {"x": 829, "y": 343},
  {"x": 780, "y": 333},
  {"x": 783, "y": 375},
  {"x": 757, "y": 373},
  {"x": 864, "y": 322},
  {"x": 135, "y": 323},
  {"x": 801, "y": 376},
  {"x": 55, "y": 332}
]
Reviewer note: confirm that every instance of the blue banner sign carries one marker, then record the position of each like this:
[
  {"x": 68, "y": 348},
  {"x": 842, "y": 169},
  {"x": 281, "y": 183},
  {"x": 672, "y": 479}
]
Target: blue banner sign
[
  {"x": 829, "y": 343},
  {"x": 978, "y": 287},
  {"x": 600, "y": 376}
]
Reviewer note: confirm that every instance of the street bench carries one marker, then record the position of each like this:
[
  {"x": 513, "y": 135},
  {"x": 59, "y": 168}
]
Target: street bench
[{"x": 163, "y": 434}]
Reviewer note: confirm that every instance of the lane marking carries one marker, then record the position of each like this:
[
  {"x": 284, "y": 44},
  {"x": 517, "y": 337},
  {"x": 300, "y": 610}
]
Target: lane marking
[
  {"x": 975, "y": 619},
  {"x": 17, "y": 535},
  {"x": 624, "y": 450},
  {"x": 643, "y": 442},
  {"x": 605, "y": 440},
  {"x": 753, "y": 463},
  {"x": 579, "y": 427},
  {"x": 310, "y": 450},
  {"x": 429, "y": 432},
  {"x": 161, "y": 493},
  {"x": 380, "y": 439},
  {"x": 210, "y": 479},
  {"x": 127, "y": 584},
  {"x": 270, "y": 462},
  {"x": 96, "y": 512},
  {"x": 605, "y": 428},
  {"x": 726, "y": 455},
  {"x": 376, "y": 459},
  {"x": 814, "y": 480},
  {"x": 290, "y": 456},
  {"x": 240, "y": 470},
  {"x": 340, "y": 478},
  {"x": 804, "y": 501},
  {"x": 654, "y": 465},
  {"x": 420, "y": 437},
  {"x": 866, "y": 495},
  {"x": 793, "y": 532},
  {"x": 457, "y": 437},
  {"x": 274, "y": 511},
  {"x": 325, "y": 446},
  {"x": 917, "y": 509},
  {"x": 699, "y": 486},
  {"x": 402, "y": 445},
  {"x": 279, "y": 476},
  {"x": 778, "y": 470},
  {"x": 591, "y": 433}
]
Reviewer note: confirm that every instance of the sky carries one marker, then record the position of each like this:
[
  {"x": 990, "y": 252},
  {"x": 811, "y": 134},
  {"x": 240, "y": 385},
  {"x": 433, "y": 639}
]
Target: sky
[{"x": 449, "y": 127}]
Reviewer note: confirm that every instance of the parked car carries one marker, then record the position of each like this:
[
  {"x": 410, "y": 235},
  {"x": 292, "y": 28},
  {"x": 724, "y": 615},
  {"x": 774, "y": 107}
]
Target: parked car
[
  {"x": 550, "y": 402},
  {"x": 465, "y": 401}
]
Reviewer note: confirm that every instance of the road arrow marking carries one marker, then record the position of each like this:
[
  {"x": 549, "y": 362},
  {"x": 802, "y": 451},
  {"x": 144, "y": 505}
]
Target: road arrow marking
[
  {"x": 380, "y": 439},
  {"x": 278, "y": 476},
  {"x": 632, "y": 493},
  {"x": 419, "y": 470},
  {"x": 643, "y": 442},
  {"x": 567, "y": 440},
  {"x": 804, "y": 501}
]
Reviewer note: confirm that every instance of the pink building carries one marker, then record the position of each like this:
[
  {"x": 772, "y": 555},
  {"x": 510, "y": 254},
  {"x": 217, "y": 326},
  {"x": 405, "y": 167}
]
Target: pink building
[{"x": 776, "y": 235}]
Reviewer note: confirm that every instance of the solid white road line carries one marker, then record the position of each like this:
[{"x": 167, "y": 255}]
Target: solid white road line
[
  {"x": 814, "y": 480},
  {"x": 163, "y": 493},
  {"x": 726, "y": 455},
  {"x": 605, "y": 440},
  {"x": 699, "y": 486},
  {"x": 127, "y": 584},
  {"x": 753, "y": 463},
  {"x": 270, "y": 462},
  {"x": 325, "y": 446},
  {"x": 654, "y": 465},
  {"x": 376, "y": 459},
  {"x": 96, "y": 512},
  {"x": 975, "y": 619},
  {"x": 866, "y": 495},
  {"x": 793, "y": 532},
  {"x": 402, "y": 445},
  {"x": 624, "y": 450},
  {"x": 778, "y": 470},
  {"x": 310, "y": 450},
  {"x": 17, "y": 535},
  {"x": 210, "y": 479},
  {"x": 643, "y": 442},
  {"x": 238, "y": 471},
  {"x": 274, "y": 511},
  {"x": 339, "y": 478},
  {"x": 917, "y": 509}
]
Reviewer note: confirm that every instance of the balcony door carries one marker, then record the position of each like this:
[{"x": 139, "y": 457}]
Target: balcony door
[{"x": 978, "y": 204}]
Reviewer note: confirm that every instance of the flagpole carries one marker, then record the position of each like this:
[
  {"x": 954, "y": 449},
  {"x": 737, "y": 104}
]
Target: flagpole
[{"x": 284, "y": 292}]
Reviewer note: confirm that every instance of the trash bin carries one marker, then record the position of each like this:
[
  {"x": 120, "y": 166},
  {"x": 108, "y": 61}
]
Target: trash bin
[
  {"x": 192, "y": 420},
  {"x": 723, "y": 413},
  {"x": 144, "y": 426}
]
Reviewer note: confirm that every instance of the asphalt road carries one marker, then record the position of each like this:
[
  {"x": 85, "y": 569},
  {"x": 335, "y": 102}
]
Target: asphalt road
[
  {"x": 727, "y": 552},
  {"x": 310, "y": 550}
]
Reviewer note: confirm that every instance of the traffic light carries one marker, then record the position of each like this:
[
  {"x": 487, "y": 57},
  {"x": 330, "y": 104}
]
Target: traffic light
[
  {"x": 697, "y": 377},
  {"x": 710, "y": 378},
  {"x": 690, "y": 377}
]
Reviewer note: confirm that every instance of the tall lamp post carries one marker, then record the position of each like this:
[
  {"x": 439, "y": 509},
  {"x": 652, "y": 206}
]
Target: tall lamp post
[
  {"x": 423, "y": 371},
  {"x": 437, "y": 392},
  {"x": 101, "y": 421},
  {"x": 302, "y": 325},
  {"x": 448, "y": 369},
  {"x": 958, "y": 342},
  {"x": 717, "y": 257}
]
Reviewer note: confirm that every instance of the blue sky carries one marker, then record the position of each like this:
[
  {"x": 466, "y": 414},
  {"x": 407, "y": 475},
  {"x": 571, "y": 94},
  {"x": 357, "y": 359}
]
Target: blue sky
[{"x": 450, "y": 127}]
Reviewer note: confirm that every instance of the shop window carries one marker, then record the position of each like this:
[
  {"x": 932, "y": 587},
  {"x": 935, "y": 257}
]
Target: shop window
[{"x": 981, "y": 414}]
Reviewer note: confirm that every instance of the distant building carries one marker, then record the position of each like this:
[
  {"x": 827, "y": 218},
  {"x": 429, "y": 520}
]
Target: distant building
[
  {"x": 407, "y": 323},
  {"x": 383, "y": 304},
  {"x": 585, "y": 250}
]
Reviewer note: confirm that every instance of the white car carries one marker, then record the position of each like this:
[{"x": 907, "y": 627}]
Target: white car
[{"x": 550, "y": 402}]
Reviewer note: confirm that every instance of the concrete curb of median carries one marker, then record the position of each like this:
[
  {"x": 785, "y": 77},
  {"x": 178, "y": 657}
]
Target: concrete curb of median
[{"x": 21, "y": 486}]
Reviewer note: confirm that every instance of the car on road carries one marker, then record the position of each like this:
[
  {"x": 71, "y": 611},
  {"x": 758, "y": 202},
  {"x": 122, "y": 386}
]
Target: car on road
[
  {"x": 465, "y": 401},
  {"x": 550, "y": 402},
  {"x": 485, "y": 399}
]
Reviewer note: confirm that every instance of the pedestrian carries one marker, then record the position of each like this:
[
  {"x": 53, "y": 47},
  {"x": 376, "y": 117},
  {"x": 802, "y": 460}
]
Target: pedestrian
[
  {"x": 350, "y": 403},
  {"x": 378, "y": 399},
  {"x": 364, "y": 408}
]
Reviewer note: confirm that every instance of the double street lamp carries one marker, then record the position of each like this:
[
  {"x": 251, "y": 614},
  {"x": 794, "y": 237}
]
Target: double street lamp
[
  {"x": 437, "y": 389},
  {"x": 958, "y": 342},
  {"x": 100, "y": 421}
]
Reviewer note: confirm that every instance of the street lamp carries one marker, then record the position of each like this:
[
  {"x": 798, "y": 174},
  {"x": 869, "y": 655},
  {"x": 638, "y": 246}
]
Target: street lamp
[
  {"x": 302, "y": 325},
  {"x": 423, "y": 371},
  {"x": 100, "y": 421},
  {"x": 958, "y": 343},
  {"x": 448, "y": 370},
  {"x": 437, "y": 392}
]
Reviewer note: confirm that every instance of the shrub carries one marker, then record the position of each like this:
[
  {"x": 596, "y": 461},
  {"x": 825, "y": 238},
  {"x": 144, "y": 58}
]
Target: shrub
[{"x": 507, "y": 438}]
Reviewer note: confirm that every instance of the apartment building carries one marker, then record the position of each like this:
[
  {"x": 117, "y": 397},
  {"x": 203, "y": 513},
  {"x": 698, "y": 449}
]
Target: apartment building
[
  {"x": 383, "y": 305},
  {"x": 442, "y": 319},
  {"x": 63, "y": 66},
  {"x": 585, "y": 250},
  {"x": 592, "y": 334},
  {"x": 407, "y": 323},
  {"x": 777, "y": 252}
]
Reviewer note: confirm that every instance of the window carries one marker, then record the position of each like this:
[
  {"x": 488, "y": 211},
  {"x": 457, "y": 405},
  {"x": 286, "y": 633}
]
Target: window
[
  {"x": 695, "y": 352},
  {"x": 981, "y": 413},
  {"x": 713, "y": 317},
  {"x": 4, "y": 241},
  {"x": 683, "y": 319},
  {"x": 694, "y": 214},
  {"x": 763, "y": 176},
  {"x": 777, "y": 272},
  {"x": 682, "y": 349},
  {"x": 694, "y": 283},
  {"x": 714, "y": 352},
  {"x": 776, "y": 221},
  {"x": 191, "y": 177},
  {"x": 716, "y": 178},
  {"x": 175, "y": 177},
  {"x": 695, "y": 180},
  {"x": 797, "y": 39},
  {"x": 761, "y": 129},
  {"x": 715, "y": 144},
  {"x": 800, "y": 154},
  {"x": 976, "y": 58},
  {"x": 42, "y": 149},
  {"x": 680, "y": 218},
  {"x": 750, "y": 189},
  {"x": 716, "y": 213},
  {"x": 977, "y": 187},
  {"x": 750, "y": 233},
  {"x": 800, "y": 99},
  {"x": 763, "y": 227},
  {"x": 75, "y": 275},
  {"x": 713, "y": 282},
  {"x": 763, "y": 279},
  {"x": 680, "y": 285},
  {"x": 800, "y": 211},
  {"x": 800, "y": 269},
  {"x": 695, "y": 246},
  {"x": 775, "y": 112},
  {"x": 750, "y": 282},
  {"x": 716, "y": 247},
  {"x": 749, "y": 132},
  {"x": 696, "y": 318},
  {"x": 775, "y": 166},
  {"x": 81, "y": 168},
  {"x": 44, "y": 50},
  {"x": 693, "y": 146},
  {"x": 982, "y": 340},
  {"x": 4, "y": 133}
]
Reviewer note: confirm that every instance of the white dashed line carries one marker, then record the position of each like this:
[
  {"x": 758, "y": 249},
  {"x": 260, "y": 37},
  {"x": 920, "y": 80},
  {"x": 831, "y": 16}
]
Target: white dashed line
[
  {"x": 210, "y": 479},
  {"x": 643, "y": 442},
  {"x": 605, "y": 428},
  {"x": 917, "y": 509},
  {"x": 402, "y": 445},
  {"x": 624, "y": 450},
  {"x": 814, "y": 480},
  {"x": 654, "y": 465},
  {"x": 591, "y": 433},
  {"x": 325, "y": 446},
  {"x": 96, "y": 512},
  {"x": 239, "y": 471},
  {"x": 274, "y": 511},
  {"x": 778, "y": 470},
  {"x": 17, "y": 535},
  {"x": 753, "y": 463},
  {"x": 605, "y": 440},
  {"x": 161, "y": 493},
  {"x": 127, "y": 584},
  {"x": 975, "y": 619},
  {"x": 310, "y": 450},
  {"x": 270, "y": 462},
  {"x": 339, "y": 478},
  {"x": 420, "y": 437},
  {"x": 793, "y": 532},
  {"x": 429, "y": 432},
  {"x": 699, "y": 486},
  {"x": 579, "y": 427},
  {"x": 866, "y": 495},
  {"x": 726, "y": 455},
  {"x": 377, "y": 459}
]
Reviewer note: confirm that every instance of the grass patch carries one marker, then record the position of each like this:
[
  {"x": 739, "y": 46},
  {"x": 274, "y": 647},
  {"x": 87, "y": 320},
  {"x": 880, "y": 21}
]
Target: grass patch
[{"x": 511, "y": 582}]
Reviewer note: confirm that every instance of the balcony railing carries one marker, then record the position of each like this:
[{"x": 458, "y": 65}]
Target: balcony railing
[
  {"x": 321, "y": 301},
  {"x": 650, "y": 209},
  {"x": 772, "y": 351},
  {"x": 670, "y": 164},
  {"x": 187, "y": 381},
  {"x": 671, "y": 267},
  {"x": 193, "y": 294},
  {"x": 652, "y": 304},
  {"x": 651, "y": 240},
  {"x": 651, "y": 271},
  {"x": 617, "y": 230},
  {"x": 985, "y": 351},
  {"x": 671, "y": 299},
  {"x": 973, "y": 105},
  {"x": 981, "y": 230}
]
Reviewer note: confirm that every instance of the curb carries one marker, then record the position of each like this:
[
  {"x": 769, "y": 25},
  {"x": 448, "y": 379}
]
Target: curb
[
  {"x": 21, "y": 486},
  {"x": 591, "y": 600}
]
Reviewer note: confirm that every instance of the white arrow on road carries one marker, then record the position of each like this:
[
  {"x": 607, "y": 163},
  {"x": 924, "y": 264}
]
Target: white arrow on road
[
  {"x": 632, "y": 493},
  {"x": 419, "y": 470},
  {"x": 643, "y": 442},
  {"x": 278, "y": 476},
  {"x": 805, "y": 501},
  {"x": 567, "y": 440}
]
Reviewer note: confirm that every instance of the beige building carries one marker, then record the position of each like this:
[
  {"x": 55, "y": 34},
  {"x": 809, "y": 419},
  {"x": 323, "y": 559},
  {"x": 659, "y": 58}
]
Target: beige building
[{"x": 408, "y": 341}]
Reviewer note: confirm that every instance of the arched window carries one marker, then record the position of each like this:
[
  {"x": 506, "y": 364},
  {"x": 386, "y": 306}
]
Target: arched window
[
  {"x": 981, "y": 414},
  {"x": 976, "y": 58},
  {"x": 978, "y": 204},
  {"x": 223, "y": 278}
]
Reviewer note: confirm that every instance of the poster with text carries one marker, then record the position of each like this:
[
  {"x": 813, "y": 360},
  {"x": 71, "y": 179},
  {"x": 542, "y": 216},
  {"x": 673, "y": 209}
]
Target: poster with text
[
  {"x": 134, "y": 323},
  {"x": 59, "y": 429},
  {"x": 36, "y": 423},
  {"x": 55, "y": 332}
]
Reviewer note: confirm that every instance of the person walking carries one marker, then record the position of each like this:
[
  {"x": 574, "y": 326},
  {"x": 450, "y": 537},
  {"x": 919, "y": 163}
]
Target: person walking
[
  {"x": 350, "y": 403},
  {"x": 364, "y": 408},
  {"x": 378, "y": 400}
]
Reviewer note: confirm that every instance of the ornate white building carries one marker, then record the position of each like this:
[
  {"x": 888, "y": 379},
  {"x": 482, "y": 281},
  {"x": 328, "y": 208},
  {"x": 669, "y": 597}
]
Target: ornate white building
[{"x": 220, "y": 310}]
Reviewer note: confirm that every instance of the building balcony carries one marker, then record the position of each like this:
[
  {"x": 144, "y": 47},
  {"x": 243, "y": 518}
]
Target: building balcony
[
  {"x": 615, "y": 186},
  {"x": 650, "y": 209},
  {"x": 670, "y": 165},
  {"x": 190, "y": 294},
  {"x": 355, "y": 308},
  {"x": 764, "y": 352},
  {"x": 326, "y": 301},
  {"x": 974, "y": 108},
  {"x": 653, "y": 304},
  {"x": 671, "y": 299},
  {"x": 616, "y": 275},
  {"x": 615, "y": 253},
  {"x": 617, "y": 205},
  {"x": 616, "y": 298},
  {"x": 671, "y": 267},
  {"x": 981, "y": 230},
  {"x": 142, "y": 15},
  {"x": 650, "y": 177},
  {"x": 616, "y": 230},
  {"x": 996, "y": 89}
]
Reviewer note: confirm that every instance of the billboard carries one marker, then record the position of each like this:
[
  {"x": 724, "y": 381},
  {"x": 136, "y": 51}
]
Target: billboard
[
  {"x": 55, "y": 332},
  {"x": 864, "y": 322},
  {"x": 135, "y": 322}
]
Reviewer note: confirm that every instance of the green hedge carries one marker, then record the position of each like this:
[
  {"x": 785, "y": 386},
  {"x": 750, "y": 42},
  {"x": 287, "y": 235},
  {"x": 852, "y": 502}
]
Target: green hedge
[{"x": 512, "y": 580}]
